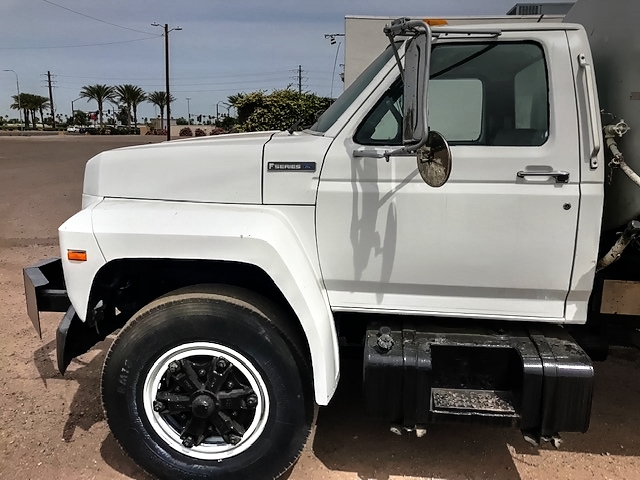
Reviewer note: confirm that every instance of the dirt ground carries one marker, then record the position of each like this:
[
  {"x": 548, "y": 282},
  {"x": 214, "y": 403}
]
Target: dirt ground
[{"x": 53, "y": 427}]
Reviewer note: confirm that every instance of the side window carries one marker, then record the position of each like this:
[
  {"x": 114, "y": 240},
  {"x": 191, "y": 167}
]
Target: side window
[
  {"x": 492, "y": 93},
  {"x": 532, "y": 107},
  {"x": 383, "y": 124},
  {"x": 450, "y": 96}
]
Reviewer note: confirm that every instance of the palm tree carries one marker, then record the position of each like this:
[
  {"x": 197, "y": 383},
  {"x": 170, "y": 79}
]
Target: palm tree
[
  {"x": 100, "y": 93},
  {"x": 23, "y": 105},
  {"x": 159, "y": 99},
  {"x": 137, "y": 97},
  {"x": 40, "y": 103},
  {"x": 131, "y": 96},
  {"x": 30, "y": 104}
]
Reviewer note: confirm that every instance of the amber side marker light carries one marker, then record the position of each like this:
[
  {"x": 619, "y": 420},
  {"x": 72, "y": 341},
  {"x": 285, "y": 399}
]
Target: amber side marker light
[
  {"x": 436, "y": 22},
  {"x": 77, "y": 255}
]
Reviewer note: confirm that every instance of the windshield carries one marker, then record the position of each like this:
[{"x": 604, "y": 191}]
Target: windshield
[{"x": 329, "y": 117}]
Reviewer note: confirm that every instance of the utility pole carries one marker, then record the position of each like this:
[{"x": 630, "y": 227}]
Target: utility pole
[
  {"x": 299, "y": 78},
  {"x": 53, "y": 116},
  {"x": 189, "y": 110},
  {"x": 18, "y": 87},
  {"x": 166, "y": 65}
]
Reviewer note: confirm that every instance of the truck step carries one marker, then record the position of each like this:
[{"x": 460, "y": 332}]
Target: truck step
[{"x": 483, "y": 402}]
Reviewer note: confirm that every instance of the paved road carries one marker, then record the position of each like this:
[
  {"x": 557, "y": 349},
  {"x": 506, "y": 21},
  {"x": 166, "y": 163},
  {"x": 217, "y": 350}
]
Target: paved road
[{"x": 52, "y": 427}]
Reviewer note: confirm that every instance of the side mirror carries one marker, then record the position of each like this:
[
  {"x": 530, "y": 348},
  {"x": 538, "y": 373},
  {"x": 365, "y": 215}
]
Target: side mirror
[
  {"x": 434, "y": 160},
  {"x": 417, "y": 61}
]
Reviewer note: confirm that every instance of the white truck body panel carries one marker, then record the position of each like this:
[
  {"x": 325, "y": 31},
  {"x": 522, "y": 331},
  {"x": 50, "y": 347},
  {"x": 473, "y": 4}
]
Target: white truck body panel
[
  {"x": 484, "y": 245},
  {"x": 217, "y": 169},
  {"x": 279, "y": 240},
  {"x": 298, "y": 187},
  {"x": 591, "y": 189},
  {"x": 77, "y": 234}
]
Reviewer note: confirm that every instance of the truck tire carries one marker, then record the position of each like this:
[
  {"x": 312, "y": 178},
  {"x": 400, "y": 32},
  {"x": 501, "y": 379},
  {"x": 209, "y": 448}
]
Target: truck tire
[{"x": 205, "y": 385}]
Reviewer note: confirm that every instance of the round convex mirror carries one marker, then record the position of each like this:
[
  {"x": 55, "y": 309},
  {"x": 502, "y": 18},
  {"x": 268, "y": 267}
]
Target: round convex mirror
[{"x": 434, "y": 160}]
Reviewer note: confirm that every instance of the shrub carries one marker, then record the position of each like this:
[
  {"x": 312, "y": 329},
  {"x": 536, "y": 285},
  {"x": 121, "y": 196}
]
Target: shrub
[
  {"x": 217, "y": 131},
  {"x": 200, "y": 132},
  {"x": 162, "y": 131},
  {"x": 186, "y": 132},
  {"x": 278, "y": 110}
]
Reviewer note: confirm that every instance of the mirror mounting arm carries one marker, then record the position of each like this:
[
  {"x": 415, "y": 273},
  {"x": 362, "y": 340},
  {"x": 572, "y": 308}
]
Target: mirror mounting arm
[
  {"x": 405, "y": 27},
  {"x": 407, "y": 150}
]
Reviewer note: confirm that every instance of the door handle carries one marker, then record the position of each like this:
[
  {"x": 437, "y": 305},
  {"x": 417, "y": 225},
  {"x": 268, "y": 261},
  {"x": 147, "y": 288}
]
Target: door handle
[{"x": 560, "y": 176}]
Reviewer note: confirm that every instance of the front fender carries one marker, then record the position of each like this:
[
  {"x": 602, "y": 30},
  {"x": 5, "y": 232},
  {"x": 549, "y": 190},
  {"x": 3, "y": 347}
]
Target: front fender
[{"x": 279, "y": 240}]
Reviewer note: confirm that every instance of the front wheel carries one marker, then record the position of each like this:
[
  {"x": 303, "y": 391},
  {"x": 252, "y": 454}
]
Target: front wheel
[{"x": 205, "y": 385}]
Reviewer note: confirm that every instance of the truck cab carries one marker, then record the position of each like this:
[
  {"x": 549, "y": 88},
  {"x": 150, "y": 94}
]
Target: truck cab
[{"x": 444, "y": 215}]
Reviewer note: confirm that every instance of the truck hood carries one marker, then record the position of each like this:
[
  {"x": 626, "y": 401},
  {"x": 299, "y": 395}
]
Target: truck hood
[{"x": 224, "y": 168}]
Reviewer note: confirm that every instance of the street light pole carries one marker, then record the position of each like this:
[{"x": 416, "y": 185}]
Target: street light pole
[
  {"x": 189, "y": 111},
  {"x": 218, "y": 110},
  {"x": 18, "y": 88},
  {"x": 333, "y": 41},
  {"x": 166, "y": 65},
  {"x": 73, "y": 111}
]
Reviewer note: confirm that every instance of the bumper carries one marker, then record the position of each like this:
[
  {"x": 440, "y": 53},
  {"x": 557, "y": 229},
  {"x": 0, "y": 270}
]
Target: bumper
[{"x": 45, "y": 290}]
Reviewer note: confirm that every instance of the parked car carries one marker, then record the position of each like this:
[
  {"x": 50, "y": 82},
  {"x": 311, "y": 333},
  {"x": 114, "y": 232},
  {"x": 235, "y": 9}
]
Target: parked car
[{"x": 73, "y": 129}]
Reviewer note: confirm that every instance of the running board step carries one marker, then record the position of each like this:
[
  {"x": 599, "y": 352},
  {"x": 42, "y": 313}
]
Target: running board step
[{"x": 473, "y": 402}]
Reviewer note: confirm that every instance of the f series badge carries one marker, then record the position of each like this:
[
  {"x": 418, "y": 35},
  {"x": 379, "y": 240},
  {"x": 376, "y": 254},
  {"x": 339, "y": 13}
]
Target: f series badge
[{"x": 291, "y": 166}]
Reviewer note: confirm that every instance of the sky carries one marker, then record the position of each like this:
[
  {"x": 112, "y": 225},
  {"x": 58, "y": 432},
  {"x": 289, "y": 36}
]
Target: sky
[{"x": 223, "y": 47}]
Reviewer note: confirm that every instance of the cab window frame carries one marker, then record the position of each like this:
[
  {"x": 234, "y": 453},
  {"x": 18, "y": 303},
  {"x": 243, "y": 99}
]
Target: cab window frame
[{"x": 489, "y": 133}]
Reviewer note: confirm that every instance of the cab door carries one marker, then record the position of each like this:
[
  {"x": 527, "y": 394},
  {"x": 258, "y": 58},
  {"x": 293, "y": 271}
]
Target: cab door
[{"x": 497, "y": 240}]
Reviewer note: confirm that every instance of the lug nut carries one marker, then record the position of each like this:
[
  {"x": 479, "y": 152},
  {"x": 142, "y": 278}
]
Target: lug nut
[
  {"x": 158, "y": 406},
  {"x": 221, "y": 364},
  {"x": 188, "y": 441},
  {"x": 202, "y": 372},
  {"x": 234, "y": 439},
  {"x": 174, "y": 367},
  {"x": 385, "y": 340},
  {"x": 252, "y": 401},
  {"x": 229, "y": 385}
]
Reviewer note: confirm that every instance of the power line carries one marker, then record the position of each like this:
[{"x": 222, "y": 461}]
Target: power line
[
  {"x": 211, "y": 84},
  {"x": 190, "y": 77},
  {"x": 220, "y": 82},
  {"x": 78, "y": 46},
  {"x": 94, "y": 18}
]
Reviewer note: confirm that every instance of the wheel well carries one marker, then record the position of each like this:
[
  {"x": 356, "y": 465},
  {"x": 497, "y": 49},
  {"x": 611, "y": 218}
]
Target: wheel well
[{"x": 124, "y": 286}]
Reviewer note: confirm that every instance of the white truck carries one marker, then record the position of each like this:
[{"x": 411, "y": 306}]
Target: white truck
[{"x": 474, "y": 267}]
